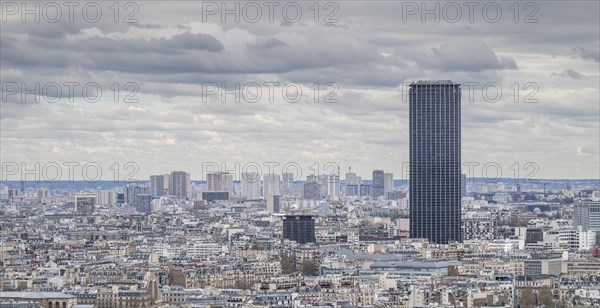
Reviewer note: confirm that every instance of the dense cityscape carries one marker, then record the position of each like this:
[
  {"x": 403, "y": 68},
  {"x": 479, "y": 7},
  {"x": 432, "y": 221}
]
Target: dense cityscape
[
  {"x": 318, "y": 242},
  {"x": 275, "y": 154},
  {"x": 440, "y": 239}
]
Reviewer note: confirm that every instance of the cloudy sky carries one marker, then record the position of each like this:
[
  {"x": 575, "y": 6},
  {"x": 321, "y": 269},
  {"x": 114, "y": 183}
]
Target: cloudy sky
[{"x": 167, "y": 56}]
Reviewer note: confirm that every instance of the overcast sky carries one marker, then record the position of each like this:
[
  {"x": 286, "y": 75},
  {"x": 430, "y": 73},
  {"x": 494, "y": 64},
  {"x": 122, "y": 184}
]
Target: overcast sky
[{"x": 365, "y": 48}]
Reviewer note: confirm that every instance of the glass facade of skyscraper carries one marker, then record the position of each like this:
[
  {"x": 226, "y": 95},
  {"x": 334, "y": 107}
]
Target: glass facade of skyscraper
[{"x": 435, "y": 161}]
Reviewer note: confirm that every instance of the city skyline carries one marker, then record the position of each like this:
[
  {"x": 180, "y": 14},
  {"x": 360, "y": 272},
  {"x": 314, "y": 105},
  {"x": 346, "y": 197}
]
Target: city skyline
[{"x": 299, "y": 154}]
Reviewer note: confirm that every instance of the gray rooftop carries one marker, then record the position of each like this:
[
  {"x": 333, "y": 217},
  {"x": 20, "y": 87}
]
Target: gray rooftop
[{"x": 35, "y": 295}]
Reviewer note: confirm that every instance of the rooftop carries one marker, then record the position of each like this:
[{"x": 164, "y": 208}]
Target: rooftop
[
  {"x": 35, "y": 295},
  {"x": 433, "y": 82}
]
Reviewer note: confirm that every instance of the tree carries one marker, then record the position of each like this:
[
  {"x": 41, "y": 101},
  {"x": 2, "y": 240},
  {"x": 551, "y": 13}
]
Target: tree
[
  {"x": 546, "y": 297},
  {"x": 309, "y": 268},
  {"x": 527, "y": 299},
  {"x": 287, "y": 264},
  {"x": 242, "y": 284}
]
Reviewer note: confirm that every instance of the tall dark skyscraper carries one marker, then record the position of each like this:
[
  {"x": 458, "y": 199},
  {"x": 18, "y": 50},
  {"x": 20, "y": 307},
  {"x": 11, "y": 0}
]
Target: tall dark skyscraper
[{"x": 435, "y": 173}]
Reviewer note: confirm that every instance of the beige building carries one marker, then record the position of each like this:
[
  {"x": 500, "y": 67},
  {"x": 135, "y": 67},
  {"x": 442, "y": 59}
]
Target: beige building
[{"x": 46, "y": 299}]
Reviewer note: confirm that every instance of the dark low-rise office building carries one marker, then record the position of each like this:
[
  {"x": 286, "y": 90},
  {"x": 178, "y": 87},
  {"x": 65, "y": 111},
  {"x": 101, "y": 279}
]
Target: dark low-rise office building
[
  {"x": 299, "y": 228},
  {"x": 212, "y": 196}
]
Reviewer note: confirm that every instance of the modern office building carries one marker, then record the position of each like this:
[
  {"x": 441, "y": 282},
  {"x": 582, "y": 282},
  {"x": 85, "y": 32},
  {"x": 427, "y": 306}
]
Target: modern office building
[
  {"x": 287, "y": 183},
  {"x": 333, "y": 185},
  {"x": 273, "y": 204},
  {"x": 323, "y": 185},
  {"x": 220, "y": 181},
  {"x": 299, "y": 228},
  {"x": 271, "y": 184},
  {"x": 106, "y": 197},
  {"x": 378, "y": 184},
  {"x": 534, "y": 235},
  {"x": 42, "y": 194},
  {"x": 159, "y": 184},
  {"x": 142, "y": 203},
  {"x": 587, "y": 214},
  {"x": 13, "y": 193},
  {"x": 352, "y": 182},
  {"x": 311, "y": 191},
  {"x": 364, "y": 190},
  {"x": 543, "y": 264},
  {"x": 120, "y": 198},
  {"x": 435, "y": 161},
  {"x": 212, "y": 196},
  {"x": 132, "y": 191},
  {"x": 85, "y": 204},
  {"x": 352, "y": 190},
  {"x": 388, "y": 183},
  {"x": 250, "y": 185},
  {"x": 180, "y": 184},
  {"x": 138, "y": 197}
]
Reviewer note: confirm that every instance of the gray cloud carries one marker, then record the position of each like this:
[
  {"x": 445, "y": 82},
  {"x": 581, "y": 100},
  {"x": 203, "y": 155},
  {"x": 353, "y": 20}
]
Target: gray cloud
[
  {"x": 368, "y": 54},
  {"x": 468, "y": 54},
  {"x": 570, "y": 73}
]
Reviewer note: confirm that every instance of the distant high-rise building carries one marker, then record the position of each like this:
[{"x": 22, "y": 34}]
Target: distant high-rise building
[
  {"x": 250, "y": 185},
  {"x": 138, "y": 197},
  {"x": 587, "y": 215},
  {"x": 463, "y": 185},
  {"x": 42, "y": 194},
  {"x": 323, "y": 185},
  {"x": 311, "y": 190},
  {"x": 105, "y": 197},
  {"x": 435, "y": 161},
  {"x": 12, "y": 193},
  {"x": 352, "y": 182},
  {"x": 378, "y": 184},
  {"x": 159, "y": 184},
  {"x": 287, "y": 183},
  {"x": 180, "y": 184},
  {"x": 3, "y": 192},
  {"x": 352, "y": 190},
  {"x": 142, "y": 203},
  {"x": 273, "y": 204},
  {"x": 365, "y": 190},
  {"x": 271, "y": 183},
  {"x": 388, "y": 183},
  {"x": 85, "y": 204},
  {"x": 333, "y": 185},
  {"x": 299, "y": 228},
  {"x": 120, "y": 198},
  {"x": 220, "y": 181}
]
